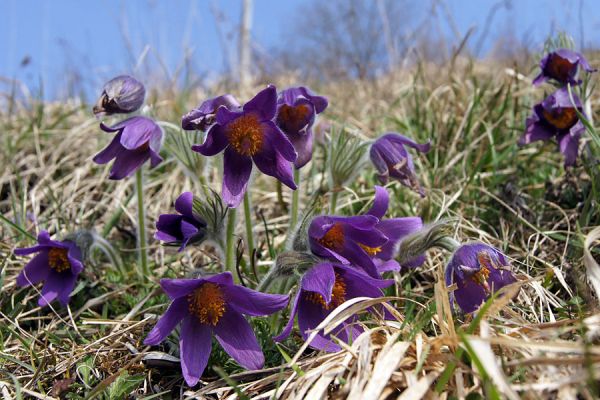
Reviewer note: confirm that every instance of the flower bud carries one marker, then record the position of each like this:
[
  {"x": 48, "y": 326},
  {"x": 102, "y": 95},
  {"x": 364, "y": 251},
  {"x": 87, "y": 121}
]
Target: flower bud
[{"x": 120, "y": 95}]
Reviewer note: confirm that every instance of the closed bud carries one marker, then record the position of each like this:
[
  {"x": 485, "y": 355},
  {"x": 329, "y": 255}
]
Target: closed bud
[{"x": 120, "y": 95}]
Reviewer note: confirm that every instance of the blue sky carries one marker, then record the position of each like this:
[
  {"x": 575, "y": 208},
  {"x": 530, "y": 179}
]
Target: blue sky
[{"x": 99, "y": 39}]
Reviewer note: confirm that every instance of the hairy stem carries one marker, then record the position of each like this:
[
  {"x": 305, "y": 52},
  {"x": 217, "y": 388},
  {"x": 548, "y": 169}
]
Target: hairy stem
[
  {"x": 295, "y": 199},
  {"x": 249, "y": 233},
  {"x": 230, "y": 244},
  {"x": 142, "y": 242}
]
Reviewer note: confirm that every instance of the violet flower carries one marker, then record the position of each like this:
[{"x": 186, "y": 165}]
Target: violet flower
[
  {"x": 478, "y": 270},
  {"x": 58, "y": 263},
  {"x": 323, "y": 288},
  {"x": 249, "y": 135},
  {"x": 391, "y": 159},
  {"x": 202, "y": 117},
  {"x": 184, "y": 228},
  {"x": 556, "y": 118},
  {"x": 123, "y": 94},
  {"x": 364, "y": 241},
  {"x": 137, "y": 140},
  {"x": 213, "y": 305},
  {"x": 562, "y": 65},
  {"x": 297, "y": 108}
]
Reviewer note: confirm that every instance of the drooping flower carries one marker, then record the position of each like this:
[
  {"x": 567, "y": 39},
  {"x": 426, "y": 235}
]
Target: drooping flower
[
  {"x": 213, "y": 305},
  {"x": 202, "y": 117},
  {"x": 184, "y": 228},
  {"x": 391, "y": 159},
  {"x": 120, "y": 95},
  {"x": 477, "y": 270},
  {"x": 249, "y": 135},
  {"x": 297, "y": 108},
  {"x": 365, "y": 241},
  {"x": 58, "y": 263},
  {"x": 556, "y": 118},
  {"x": 323, "y": 288},
  {"x": 562, "y": 66},
  {"x": 137, "y": 140}
]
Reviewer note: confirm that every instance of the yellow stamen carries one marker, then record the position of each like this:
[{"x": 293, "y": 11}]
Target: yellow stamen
[
  {"x": 481, "y": 277},
  {"x": 245, "y": 135},
  {"x": 334, "y": 238},
  {"x": 58, "y": 259},
  {"x": 372, "y": 251},
  {"x": 207, "y": 303},
  {"x": 338, "y": 295}
]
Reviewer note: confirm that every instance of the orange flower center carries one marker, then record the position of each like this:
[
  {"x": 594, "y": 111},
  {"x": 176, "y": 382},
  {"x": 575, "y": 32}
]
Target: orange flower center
[
  {"x": 207, "y": 303},
  {"x": 245, "y": 134},
  {"x": 559, "y": 67},
  {"x": 562, "y": 118},
  {"x": 372, "y": 251},
  {"x": 338, "y": 295},
  {"x": 293, "y": 118},
  {"x": 334, "y": 238},
  {"x": 58, "y": 259},
  {"x": 481, "y": 276}
]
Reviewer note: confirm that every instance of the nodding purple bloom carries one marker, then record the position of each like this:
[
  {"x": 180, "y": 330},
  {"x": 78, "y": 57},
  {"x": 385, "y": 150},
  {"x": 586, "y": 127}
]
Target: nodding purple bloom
[
  {"x": 556, "y": 118},
  {"x": 184, "y": 228},
  {"x": 391, "y": 159},
  {"x": 249, "y": 135},
  {"x": 137, "y": 140},
  {"x": 323, "y": 288},
  {"x": 58, "y": 263},
  {"x": 364, "y": 241},
  {"x": 123, "y": 94},
  {"x": 297, "y": 108},
  {"x": 478, "y": 270},
  {"x": 204, "y": 116},
  {"x": 213, "y": 305},
  {"x": 562, "y": 65}
]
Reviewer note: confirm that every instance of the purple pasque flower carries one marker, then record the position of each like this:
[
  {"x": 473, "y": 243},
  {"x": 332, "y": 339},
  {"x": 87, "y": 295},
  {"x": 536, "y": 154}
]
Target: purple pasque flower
[
  {"x": 123, "y": 94},
  {"x": 366, "y": 241},
  {"x": 297, "y": 108},
  {"x": 58, "y": 263},
  {"x": 391, "y": 159},
  {"x": 477, "y": 270},
  {"x": 249, "y": 135},
  {"x": 184, "y": 228},
  {"x": 137, "y": 140},
  {"x": 323, "y": 288},
  {"x": 556, "y": 118},
  {"x": 202, "y": 117},
  {"x": 213, "y": 305},
  {"x": 561, "y": 65}
]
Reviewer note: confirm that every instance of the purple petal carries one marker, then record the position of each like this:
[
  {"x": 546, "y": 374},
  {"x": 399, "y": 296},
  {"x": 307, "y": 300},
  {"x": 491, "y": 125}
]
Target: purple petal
[
  {"x": 184, "y": 204},
  {"x": 395, "y": 229},
  {"x": 74, "y": 256},
  {"x": 380, "y": 203},
  {"x": 278, "y": 141},
  {"x": 68, "y": 284},
  {"x": 303, "y": 144},
  {"x": 127, "y": 162},
  {"x": 310, "y": 315},
  {"x": 168, "y": 228},
  {"x": 359, "y": 280},
  {"x": 264, "y": 103},
  {"x": 290, "y": 324},
  {"x": 52, "y": 288},
  {"x": 251, "y": 302},
  {"x": 536, "y": 131},
  {"x": 403, "y": 140},
  {"x": 319, "y": 279},
  {"x": 175, "y": 288},
  {"x": 237, "y": 338},
  {"x": 177, "y": 310},
  {"x": 195, "y": 345},
  {"x": 138, "y": 131},
  {"x": 216, "y": 142},
  {"x": 568, "y": 145},
  {"x": 35, "y": 271},
  {"x": 111, "y": 151},
  {"x": 236, "y": 173},
  {"x": 271, "y": 162}
]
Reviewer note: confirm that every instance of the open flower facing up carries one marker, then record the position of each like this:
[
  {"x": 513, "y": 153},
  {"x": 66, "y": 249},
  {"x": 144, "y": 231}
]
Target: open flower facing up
[
  {"x": 137, "y": 140},
  {"x": 249, "y": 135},
  {"x": 201, "y": 118},
  {"x": 58, "y": 263},
  {"x": 184, "y": 228},
  {"x": 364, "y": 241},
  {"x": 478, "y": 270},
  {"x": 120, "y": 95},
  {"x": 562, "y": 66},
  {"x": 297, "y": 108},
  {"x": 323, "y": 288},
  {"x": 556, "y": 118},
  {"x": 391, "y": 159},
  {"x": 213, "y": 305}
]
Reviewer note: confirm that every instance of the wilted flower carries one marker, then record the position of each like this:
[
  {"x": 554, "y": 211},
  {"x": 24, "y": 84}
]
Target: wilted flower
[
  {"x": 203, "y": 117},
  {"x": 184, "y": 228},
  {"x": 556, "y": 118},
  {"x": 296, "y": 111},
  {"x": 364, "y": 240},
  {"x": 562, "y": 65},
  {"x": 322, "y": 289},
  {"x": 137, "y": 140},
  {"x": 478, "y": 270},
  {"x": 249, "y": 135},
  {"x": 123, "y": 94},
  {"x": 213, "y": 305},
  {"x": 58, "y": 263},
  {"x": 391, "y": 159}
]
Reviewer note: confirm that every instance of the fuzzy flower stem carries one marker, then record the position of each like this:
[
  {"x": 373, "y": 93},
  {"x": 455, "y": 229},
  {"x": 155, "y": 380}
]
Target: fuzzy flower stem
[
  {"x": 249, "y": 234},
  {"x": 333, "y": 205},
  {"x": 230, "y": 244},
  {"x": 268, "y": 279},
  {"x": 295, "y": 198},
  {"x": 142, "y": 242},
  {"x": 448, "y": 243}
]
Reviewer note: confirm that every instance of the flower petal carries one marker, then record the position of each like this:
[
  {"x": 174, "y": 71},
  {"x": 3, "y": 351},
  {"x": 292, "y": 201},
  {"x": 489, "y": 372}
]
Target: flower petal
[
  {"x": 195, "y": 345},
  {"x": 68, "y": 284},
  {"x": 264, "y": 103},
  {"x": 177, "y": 310},
  {"x": 35, "y": 271},
  {"x": 111, "y": 151},
  {"x": 175, "y": 288},
  {"x": 215, "y": 142},
  {"x": 319, "y": 279},
  {"x": 52, "y": 288},
  {"x": 251, "y": 302},
  {"x": 184, "y": 204},
  {"x": 310, "y": 315},
  {"x": 236, "y": 173},
  {"x": 380, "y": 203},
  {"x": 237, "y": 338},
  {"x": 127, "y": 162},
  {"x": 290, "y": 324},
  {"x": 271, "y": 162},
  {"x": 568, "y": 145}
]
